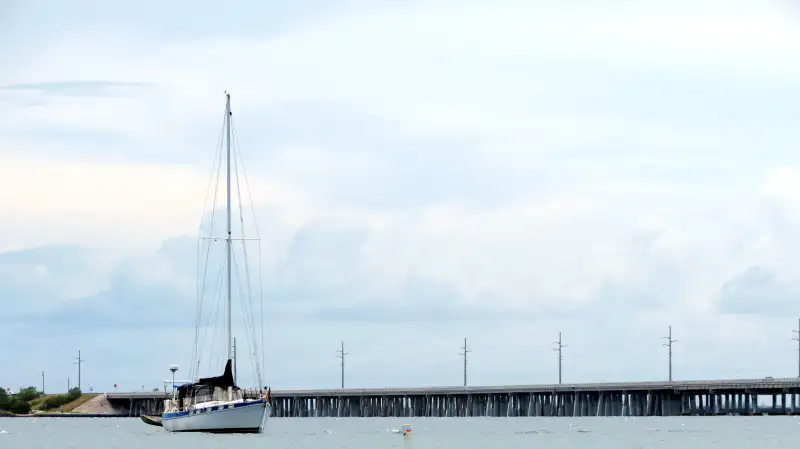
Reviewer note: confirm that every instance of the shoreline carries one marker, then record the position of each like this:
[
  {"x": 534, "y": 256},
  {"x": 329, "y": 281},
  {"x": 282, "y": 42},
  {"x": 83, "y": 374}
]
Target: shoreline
[{"x": 68, "y": 415}]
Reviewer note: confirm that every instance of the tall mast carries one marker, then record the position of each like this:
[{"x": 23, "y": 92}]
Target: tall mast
[{"x": 228, "y": 239}]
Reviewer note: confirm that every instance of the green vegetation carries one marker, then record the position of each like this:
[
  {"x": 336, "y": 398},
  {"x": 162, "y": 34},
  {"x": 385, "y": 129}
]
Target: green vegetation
[
  {"x": 30, "y": 399},
  {"x": 28, "y": 394},
  {"x": 18, "y": 403},
  {"x": 59, "y": 400}
]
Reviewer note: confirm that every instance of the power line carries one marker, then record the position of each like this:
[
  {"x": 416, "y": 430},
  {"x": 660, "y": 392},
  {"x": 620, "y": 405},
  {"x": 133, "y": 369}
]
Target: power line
[
  {"x": 797, "y": 339},
  {"x": 464, "y": 353},
  {"x": 559, "y": 347},
  {"x": 79, "y": 361},
  {"x": 341, "y": 356},
  {"x": 668, "y": 344}
]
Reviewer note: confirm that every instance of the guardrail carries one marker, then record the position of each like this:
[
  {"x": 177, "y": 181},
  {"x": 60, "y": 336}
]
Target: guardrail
[{"x": 731, "y": 384}]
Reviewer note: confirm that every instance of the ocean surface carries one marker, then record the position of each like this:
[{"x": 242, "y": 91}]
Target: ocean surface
[{"x": 428, "y": 433}]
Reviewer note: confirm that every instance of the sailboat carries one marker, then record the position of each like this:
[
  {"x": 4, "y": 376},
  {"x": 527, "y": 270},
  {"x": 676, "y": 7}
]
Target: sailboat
[{"x": 216, "y": 404}]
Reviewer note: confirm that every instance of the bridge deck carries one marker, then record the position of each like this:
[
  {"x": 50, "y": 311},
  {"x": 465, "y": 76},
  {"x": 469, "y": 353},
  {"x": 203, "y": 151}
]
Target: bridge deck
[{"x": 766, "y": 385}]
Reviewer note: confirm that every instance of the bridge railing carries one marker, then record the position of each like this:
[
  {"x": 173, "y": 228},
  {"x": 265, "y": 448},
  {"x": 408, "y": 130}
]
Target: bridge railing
[{"x": 765, "y": 383}]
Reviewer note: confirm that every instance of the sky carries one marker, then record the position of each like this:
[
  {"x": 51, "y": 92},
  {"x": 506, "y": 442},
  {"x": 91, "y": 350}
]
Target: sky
[{"x": 421, "y": 173}]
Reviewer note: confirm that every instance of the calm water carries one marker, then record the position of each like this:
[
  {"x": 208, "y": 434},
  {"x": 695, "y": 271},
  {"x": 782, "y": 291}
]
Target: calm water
[{"x": 371, "y": 433}]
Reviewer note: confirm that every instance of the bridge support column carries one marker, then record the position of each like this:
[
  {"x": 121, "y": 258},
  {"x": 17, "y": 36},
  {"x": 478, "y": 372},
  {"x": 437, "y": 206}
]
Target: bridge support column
[
  {"x": 575, "y": 403},
  {"x": 599, "y": 405}
]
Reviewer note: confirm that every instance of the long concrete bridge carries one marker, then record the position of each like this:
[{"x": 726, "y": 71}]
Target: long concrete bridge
[{"x": 700, "y": 397}]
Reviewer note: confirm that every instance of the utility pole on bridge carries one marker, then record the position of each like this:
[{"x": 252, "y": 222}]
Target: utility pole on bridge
[
  {"x": 341, "y": 356},
  {"x": 78, "y": 361},
  {"x": 668, "y": 344},
  {"x": 466, "y": 351},
  {"x": 559, "y": 347},
  {"x": 797, "y": 339}
]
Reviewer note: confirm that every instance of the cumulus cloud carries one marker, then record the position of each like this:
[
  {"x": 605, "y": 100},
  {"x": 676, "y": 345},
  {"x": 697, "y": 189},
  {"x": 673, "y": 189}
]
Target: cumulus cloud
[
  {"x": 758, "y": 291},
  {"x": 420, "y": 172}
]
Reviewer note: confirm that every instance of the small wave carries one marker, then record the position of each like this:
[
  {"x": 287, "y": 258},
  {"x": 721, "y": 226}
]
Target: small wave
[
  {"x": 687, "y": 431},
  {"x": 367, "y": 432},
  {"x": 546, "y": 431},
  {"x": 534, "y": 432}
]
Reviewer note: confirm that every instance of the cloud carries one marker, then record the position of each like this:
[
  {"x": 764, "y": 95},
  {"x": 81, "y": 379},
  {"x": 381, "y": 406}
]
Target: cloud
[
  {"x": 76, "y": 88},
  {"x": 758, "y": 291},
  {"x": 57, "y": 202},
  {"x": 142, "y": 292},
  {"x": 421, "y": 173},
  {"x": 41, "y": 279}
]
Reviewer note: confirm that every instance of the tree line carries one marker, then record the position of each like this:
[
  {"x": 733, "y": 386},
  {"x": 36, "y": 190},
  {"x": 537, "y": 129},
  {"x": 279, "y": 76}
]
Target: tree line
[{"x": 20, "y": 403}]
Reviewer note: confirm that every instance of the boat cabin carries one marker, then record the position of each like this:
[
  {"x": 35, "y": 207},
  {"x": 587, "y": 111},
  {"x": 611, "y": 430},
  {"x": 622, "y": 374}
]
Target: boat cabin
[{"x": 206, "y": 392}]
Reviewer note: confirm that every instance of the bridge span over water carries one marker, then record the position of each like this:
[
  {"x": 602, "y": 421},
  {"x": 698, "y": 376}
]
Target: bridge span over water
[{"x": 694, "y": 397}]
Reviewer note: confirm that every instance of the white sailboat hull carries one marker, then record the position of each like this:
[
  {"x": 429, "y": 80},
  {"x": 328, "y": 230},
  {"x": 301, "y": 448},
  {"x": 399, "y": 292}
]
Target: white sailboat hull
[{"x": 242, "y": 417}]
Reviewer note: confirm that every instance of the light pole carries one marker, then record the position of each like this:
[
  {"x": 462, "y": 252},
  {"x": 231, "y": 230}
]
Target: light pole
[{"x": 173, "y": 368}]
